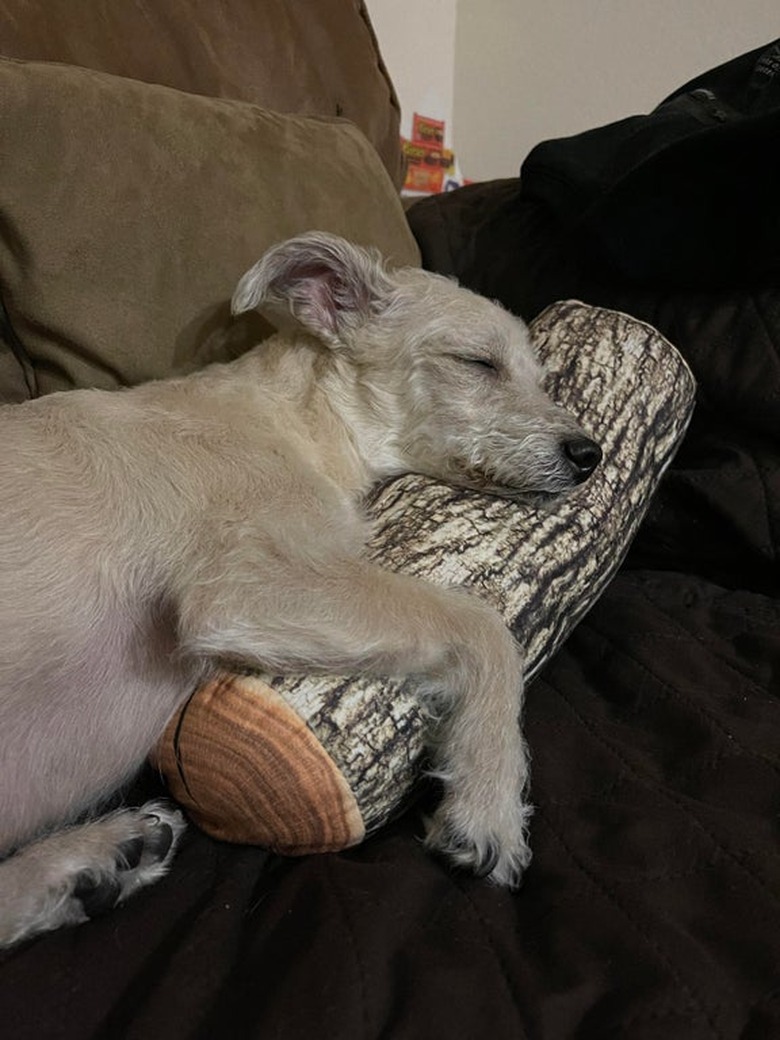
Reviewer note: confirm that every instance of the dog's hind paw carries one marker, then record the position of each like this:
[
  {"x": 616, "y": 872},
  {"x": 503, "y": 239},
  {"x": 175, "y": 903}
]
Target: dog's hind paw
[
  {"x": 499, "y": 853},
  {"x": 76, "y": 874},
  {"x": 136, "y": 860}
]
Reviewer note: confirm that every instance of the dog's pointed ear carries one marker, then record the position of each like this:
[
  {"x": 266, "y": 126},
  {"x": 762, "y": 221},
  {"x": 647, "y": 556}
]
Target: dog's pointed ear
[{"x": 318, "y": 281}]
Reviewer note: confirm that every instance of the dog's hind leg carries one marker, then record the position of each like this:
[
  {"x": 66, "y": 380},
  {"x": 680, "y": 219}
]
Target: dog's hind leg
[
  {"x": 77, "y": 873},
  {"x": 357, "y": 618}
]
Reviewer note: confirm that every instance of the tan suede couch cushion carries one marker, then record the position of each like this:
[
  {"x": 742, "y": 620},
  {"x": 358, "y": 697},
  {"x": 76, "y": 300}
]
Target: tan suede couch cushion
[
  {"x": 129, "y": 211},
  {"x": 313, "y": 58}
]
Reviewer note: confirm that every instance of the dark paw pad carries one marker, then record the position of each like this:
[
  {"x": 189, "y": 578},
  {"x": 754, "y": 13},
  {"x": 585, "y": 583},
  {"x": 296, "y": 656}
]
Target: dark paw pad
[
  {"x": 158, "y": 841},
  {"x": 97, "y": 895},
  {"x": 128, "y": 854}
]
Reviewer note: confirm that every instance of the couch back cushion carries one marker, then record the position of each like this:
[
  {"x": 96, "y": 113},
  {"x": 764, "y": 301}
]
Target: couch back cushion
[
  {"x": 313, "y": 58},
  {"x": 128, "y": 212}
]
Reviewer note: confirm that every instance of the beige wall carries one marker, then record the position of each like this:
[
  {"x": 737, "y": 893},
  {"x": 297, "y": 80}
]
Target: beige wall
[
  {"x": 526, "y": 71},
  {"x": 506, "y": 74},
  {"x": 417, "y": 40}
]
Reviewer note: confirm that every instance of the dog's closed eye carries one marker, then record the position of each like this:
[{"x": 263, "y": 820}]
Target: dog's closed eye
[{"x": 484, "y": 364}]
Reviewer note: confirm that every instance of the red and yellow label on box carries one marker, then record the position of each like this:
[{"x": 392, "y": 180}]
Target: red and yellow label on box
[{"x": 428, "y": 162}]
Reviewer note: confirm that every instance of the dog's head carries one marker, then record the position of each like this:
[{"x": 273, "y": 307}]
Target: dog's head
[{"x": 447, "y": 377}]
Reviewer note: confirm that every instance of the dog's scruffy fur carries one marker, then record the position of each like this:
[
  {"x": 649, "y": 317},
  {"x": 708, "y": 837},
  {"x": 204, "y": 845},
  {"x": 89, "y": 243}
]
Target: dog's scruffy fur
[{"x": 152, "y": 535}]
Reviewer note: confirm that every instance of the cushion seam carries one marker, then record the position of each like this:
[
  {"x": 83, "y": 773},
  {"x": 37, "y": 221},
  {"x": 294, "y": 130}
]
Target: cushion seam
[{"x": 19, "y": 351}]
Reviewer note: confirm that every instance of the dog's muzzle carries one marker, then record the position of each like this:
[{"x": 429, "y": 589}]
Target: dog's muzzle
[{"x": 583, "y": 456}]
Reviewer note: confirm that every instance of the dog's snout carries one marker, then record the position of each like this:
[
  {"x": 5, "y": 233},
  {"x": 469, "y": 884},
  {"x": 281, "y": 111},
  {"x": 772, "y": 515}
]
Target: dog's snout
[{"x": 584, "y": 455}]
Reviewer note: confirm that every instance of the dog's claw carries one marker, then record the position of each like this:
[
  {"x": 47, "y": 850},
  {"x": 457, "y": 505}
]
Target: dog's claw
[
  {"x": 470, "y": 858},
  {"x": 486, "y": 862},
  {"x": 462, "y": 854}
]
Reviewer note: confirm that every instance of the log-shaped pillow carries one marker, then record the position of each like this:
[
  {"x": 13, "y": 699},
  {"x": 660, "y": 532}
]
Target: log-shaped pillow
[{"x": 303, "y": 764}]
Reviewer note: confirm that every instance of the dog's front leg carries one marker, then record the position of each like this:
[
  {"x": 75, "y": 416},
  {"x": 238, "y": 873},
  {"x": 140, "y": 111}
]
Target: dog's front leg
[{"x": 358, "y": 618}]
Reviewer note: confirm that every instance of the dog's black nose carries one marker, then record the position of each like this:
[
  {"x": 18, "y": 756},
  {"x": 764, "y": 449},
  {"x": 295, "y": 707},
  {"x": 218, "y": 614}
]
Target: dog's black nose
[{"x": 584, "y": 455}]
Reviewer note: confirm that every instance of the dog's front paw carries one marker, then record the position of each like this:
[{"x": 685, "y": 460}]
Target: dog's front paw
[{"x": 491, "y": 844}]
